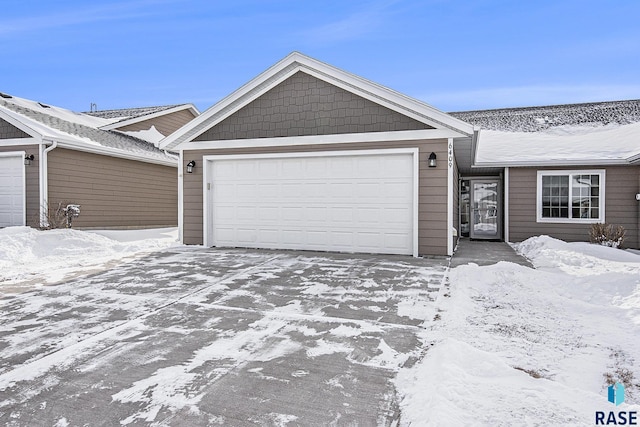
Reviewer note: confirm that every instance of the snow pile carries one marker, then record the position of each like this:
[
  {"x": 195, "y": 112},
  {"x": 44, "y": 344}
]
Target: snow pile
[
  {"x": 521, "y": 346},
  {"x": 30, "y": 255},
  {"x": 610, "y": 142}
]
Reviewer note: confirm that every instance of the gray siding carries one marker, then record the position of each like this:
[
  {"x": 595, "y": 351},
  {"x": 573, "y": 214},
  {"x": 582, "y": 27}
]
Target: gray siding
[
  {"x": 166, "y": 124},
  {"x": 622, "y": 183},
  {"x": 304, "y": 105},
  {"x": 432, "y": 197},
  {"x": 9, "y": 131},
  {"x": 113, "y": 192},
  {"x": 32, "y": 178}
]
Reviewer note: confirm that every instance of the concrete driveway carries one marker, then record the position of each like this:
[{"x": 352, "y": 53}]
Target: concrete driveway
[{"x": 194, "y": 336}]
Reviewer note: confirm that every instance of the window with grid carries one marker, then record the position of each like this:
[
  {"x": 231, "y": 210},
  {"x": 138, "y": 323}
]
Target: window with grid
[{"x": 569, "y": 196}]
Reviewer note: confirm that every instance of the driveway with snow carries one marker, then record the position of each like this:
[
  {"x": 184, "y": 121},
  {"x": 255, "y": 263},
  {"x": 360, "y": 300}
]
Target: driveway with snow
[{"x": 193, "y": 336}]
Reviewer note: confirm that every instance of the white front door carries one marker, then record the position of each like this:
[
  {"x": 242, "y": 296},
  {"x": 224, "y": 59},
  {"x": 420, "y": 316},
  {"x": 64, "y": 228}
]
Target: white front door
[
  {"x": 329, "y": 201},
  {"x": 12, "y": 189}
]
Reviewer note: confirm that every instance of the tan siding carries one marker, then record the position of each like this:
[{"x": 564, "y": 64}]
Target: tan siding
[
  {"x": 432, "y": 206},
  {"x": 113, "y": 192},
  {"x": 304, "y": 105},
  {"x": 9, "y": 131},
  {"x": 166, "y": 124},
  {"x": 32, "y": 178},
  {"x": 621, "y": 207}
]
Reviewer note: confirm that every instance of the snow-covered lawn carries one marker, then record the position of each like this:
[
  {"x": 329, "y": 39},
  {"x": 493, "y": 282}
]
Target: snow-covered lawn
[
  {"x": 30, "y": 257},
  {"x": 521, "y": 346}
]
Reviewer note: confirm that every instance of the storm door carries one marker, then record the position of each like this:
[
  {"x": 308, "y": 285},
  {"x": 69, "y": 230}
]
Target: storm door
[{"x": 485, "y": 209}]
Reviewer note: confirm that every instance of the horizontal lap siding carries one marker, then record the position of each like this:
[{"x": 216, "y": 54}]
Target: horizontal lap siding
[
  {"x": 113, "y": 192},
  {"x": 432, "y": 202},
  {"x": 620, "y": 205},
  {"x": 32, "y": 179}
]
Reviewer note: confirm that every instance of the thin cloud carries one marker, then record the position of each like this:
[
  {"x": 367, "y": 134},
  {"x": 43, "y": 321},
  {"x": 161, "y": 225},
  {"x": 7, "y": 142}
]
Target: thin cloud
[
  {"x": 110, "y": 12},
  {"x": 352, "y": 27},
  {"x": 523, "y": 96}
]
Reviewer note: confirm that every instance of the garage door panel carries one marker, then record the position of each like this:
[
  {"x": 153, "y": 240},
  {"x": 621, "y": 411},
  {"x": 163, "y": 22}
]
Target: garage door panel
[
  {"x": 12, "y": 192},
  {"x": 354, "y": 203}
]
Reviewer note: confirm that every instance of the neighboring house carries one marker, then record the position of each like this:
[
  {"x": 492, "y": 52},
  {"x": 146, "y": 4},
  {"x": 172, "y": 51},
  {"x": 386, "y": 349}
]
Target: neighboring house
[
  {"x": 307, "y": 156},
  {"x": 552, "y": 170},
  {"x": 51, "y": 157},
  {"x": 150, "y": 123}
]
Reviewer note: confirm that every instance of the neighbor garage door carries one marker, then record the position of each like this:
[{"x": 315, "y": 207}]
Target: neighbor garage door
[
  {"x": 11, "y": 190},
  {"x": 330, "y": 201}
]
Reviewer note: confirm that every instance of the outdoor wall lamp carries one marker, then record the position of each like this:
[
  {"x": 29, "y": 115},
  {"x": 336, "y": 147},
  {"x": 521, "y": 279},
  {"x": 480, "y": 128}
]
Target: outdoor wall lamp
[
  {"x": 432, "y": 160},
  {"x": 190, "y": 166},
  {"x": 28, "y": 159}
]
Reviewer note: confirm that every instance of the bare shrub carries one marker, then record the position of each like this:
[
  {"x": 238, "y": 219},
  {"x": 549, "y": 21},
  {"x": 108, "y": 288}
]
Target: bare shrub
[
  {"x": 55, "y": 218},
  {"x": 607, "y": 235}
]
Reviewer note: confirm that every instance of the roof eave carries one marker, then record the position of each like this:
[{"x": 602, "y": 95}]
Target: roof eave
[{"x": 553, "y": 163}]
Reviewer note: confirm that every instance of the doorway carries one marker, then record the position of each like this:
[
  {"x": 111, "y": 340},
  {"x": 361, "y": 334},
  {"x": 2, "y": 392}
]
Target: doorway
[{"x": 481, "y": 208}]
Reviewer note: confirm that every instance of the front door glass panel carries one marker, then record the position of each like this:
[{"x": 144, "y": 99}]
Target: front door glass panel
[{"x": 485, "y": 210}]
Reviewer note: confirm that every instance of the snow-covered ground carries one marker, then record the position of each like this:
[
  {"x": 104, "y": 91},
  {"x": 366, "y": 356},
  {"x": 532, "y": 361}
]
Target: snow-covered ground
[
  {"x": 521, "y": 346},
  {"x": 30, "y": 257},
  {"x": 509, "y": 345}
]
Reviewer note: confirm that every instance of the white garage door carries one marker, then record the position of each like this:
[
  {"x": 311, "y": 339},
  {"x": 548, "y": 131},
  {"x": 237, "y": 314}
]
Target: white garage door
[
  {"x": 11, "y": 190},
  {"x": 330, "y": 201}
]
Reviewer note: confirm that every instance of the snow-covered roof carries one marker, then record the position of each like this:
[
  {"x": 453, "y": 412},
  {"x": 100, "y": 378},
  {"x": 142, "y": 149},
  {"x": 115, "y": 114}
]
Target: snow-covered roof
[
  {"x": 536, "y": 119},
  {"x": 78, "y": 130},
  {"x": 580, "y": 134},
  {"x": 129, "y": 113}
]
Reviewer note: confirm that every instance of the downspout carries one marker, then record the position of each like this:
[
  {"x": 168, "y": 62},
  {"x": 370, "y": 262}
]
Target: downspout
[{"x": 44, "y": 184}]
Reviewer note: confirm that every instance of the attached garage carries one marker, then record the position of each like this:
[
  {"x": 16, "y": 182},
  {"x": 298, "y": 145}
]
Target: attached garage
[
  {"x": 348, "y": 201},
  {"x": 307, "y": 156},
  {"x": 12, "y": 189}
]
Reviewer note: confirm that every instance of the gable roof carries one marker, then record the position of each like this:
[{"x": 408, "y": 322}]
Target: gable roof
[
  {"x": 78, "y": 131},
  {"x": 297, "y": 62},
  {"x": 128, "y": 116},
  {"x": 596, "y": 133}
]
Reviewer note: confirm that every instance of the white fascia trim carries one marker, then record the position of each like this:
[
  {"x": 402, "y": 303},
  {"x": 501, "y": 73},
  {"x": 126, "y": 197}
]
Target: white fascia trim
[
  {"x": 602, "y": 196},
  {"x": 343, "y": 138},
  {"x": 139, "y": 119},
  {"x": 208, "y": 160},
  {"x": 295, "y": 62},
  {"x": 634, "y": 159},
  {"x": 19, "y": 141},
  {"x": 450, "y": 211},
  {"x": 112, "y": 152},
  {"x": 506, "y": 204},
  {"x": 554, "y": 163}
]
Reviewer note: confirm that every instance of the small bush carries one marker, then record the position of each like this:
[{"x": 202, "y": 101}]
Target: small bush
[
  {"x": 607, "y": 235},
  {"x": 56, "y": 218}
]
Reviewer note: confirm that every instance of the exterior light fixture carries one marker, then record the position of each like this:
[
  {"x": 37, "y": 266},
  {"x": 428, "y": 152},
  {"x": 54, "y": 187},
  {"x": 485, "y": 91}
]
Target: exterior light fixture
[
  {"x": 190, "y": 166},
  {"x": 28, "y": 159},
  {"x": 432, "y": 160}
]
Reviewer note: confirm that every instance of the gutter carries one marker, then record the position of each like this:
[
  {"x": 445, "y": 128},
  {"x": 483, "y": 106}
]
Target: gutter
[{"x": 44, "y": 183}]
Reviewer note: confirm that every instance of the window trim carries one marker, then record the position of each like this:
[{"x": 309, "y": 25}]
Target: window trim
[{"x": 601, "y": 205}]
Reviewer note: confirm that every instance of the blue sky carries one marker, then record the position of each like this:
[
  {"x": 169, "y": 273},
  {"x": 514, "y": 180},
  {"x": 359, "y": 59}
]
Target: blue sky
[{"x": 454, "y": 55}]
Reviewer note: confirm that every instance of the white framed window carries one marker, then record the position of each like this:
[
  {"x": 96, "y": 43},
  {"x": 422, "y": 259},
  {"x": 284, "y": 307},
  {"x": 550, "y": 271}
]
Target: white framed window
[{"x": 570, "y": 196}]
